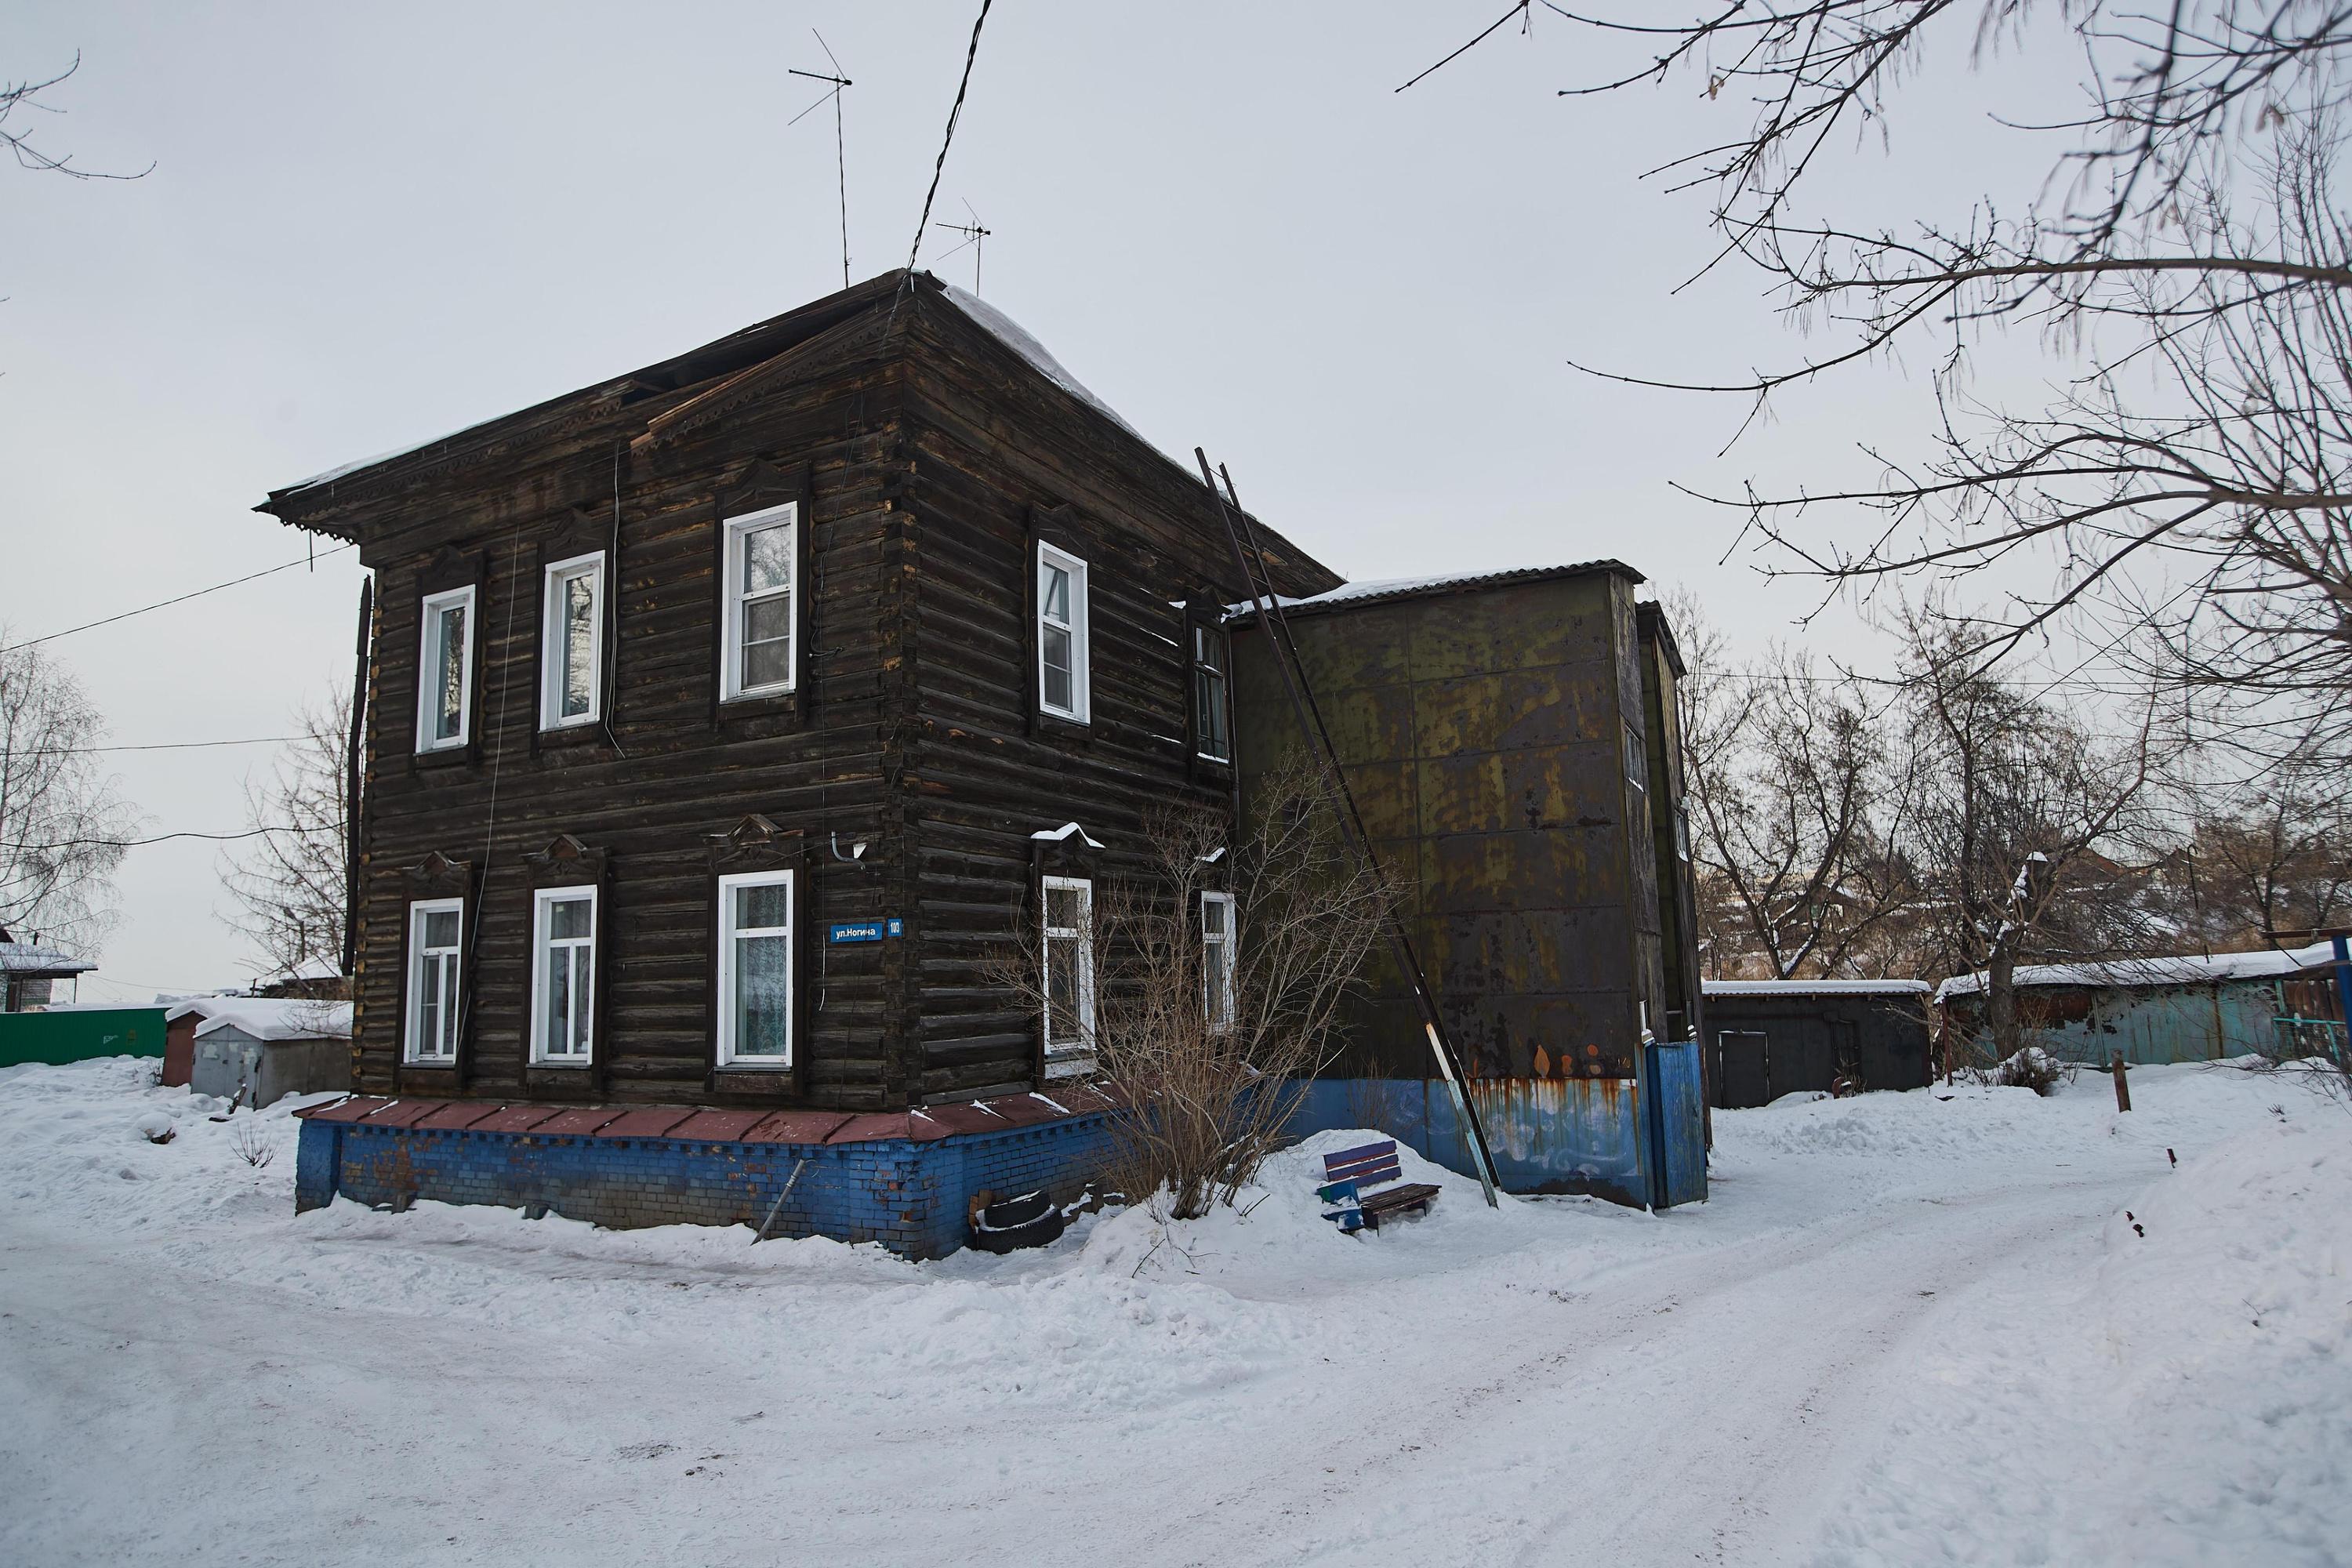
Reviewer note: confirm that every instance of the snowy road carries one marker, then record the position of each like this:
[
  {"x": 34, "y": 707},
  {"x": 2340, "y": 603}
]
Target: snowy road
[{"x": 1904, "y": 1331}]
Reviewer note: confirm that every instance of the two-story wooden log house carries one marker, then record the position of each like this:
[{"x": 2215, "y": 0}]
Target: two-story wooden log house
[{"x": 723, "y": 723}]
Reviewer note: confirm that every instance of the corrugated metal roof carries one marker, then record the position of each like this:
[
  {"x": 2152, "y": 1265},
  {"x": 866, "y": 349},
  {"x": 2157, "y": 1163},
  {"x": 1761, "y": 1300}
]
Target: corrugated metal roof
[
  {"x": 2187, "y": 969},
  {"x": 1388, "y": 589},
  {"x": 1814, "y": 988},
  {"x": 38, "y": 959}
]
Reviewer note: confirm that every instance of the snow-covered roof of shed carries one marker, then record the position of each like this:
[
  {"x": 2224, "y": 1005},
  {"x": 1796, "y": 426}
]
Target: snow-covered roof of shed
[
  {"x": 1814, "y": 988},
  {"x": 38, "y": 959},
  {"x": 1388, "y": 589},
  {"x": 2186, "y": 969},
  {"x": 268, "y": 1018}
]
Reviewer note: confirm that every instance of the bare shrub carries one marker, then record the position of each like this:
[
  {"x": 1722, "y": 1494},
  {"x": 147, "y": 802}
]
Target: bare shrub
[
  {"x": 246, "y": 1138},
  {"x": 2030, "y": 1066},
  {"x": 1212, "y": 1079}
]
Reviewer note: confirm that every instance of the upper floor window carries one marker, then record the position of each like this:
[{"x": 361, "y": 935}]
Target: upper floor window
[
  {"x": 434, "y": 929},
  {"x": 1069, "y": 965},
  {"x": 563, "y": 975},
  {"x": 571, "y": 651},
  {"x": 1637, "y": 760},
  {"x": 1211, "y": 711},
  {"x": 755, "y": 969},
  {"x": 761, "y": 584},
  {"x": 1062, "y": 674},
  {"x": 444, "y": 667},
  {"x": 1217, "y": 960}
]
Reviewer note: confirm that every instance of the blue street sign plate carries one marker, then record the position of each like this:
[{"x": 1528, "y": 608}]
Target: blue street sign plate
[{"x": 865, "y": 931}]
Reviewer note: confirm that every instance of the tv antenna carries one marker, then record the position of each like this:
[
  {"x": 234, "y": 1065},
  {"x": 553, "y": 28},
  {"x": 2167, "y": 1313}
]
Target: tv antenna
[
  {"x": 974, "y": 233},
  {"x": 840, "y": 158}
]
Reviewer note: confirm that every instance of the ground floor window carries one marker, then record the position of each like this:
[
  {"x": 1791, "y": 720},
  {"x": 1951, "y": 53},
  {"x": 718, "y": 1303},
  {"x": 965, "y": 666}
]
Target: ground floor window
[
  {"x": 755, "y": 969},
  {"x": 1217, "y": 960},
  {"x": 563, "y": 1002},
  {"x": 434, "y": 929},
  {"x": 1069, "y": 965}
]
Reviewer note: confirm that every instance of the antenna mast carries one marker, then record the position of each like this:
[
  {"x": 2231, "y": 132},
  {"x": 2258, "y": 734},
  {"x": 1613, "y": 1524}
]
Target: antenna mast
[
  {"x": 974, "y": 234},
  {"x": 840, "y": 157}
]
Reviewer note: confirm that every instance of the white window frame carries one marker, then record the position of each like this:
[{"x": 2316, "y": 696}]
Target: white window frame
[
  {"x": 1218, "y": 1009},
  {"x": 412, "y": 1044},
  {"x": 428, "y": 669},
  {"x": 728, "y": 933},
  {"x": 1084, "y": 935},
  {"x": 1081, "y": 661},
  {"x": 543, "y": 901},
  {"x": 554, "y": 645},
  {"x": 730, "y": 565}
]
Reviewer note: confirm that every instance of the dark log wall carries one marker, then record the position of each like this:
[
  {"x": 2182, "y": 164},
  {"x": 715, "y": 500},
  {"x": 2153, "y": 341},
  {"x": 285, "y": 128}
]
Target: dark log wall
[
  {"x": 1481, "y": 733},
  {"x": 925, "y": 465},
  {"x": 645, "y": 792},
  {"x": 998, "y": 459}
]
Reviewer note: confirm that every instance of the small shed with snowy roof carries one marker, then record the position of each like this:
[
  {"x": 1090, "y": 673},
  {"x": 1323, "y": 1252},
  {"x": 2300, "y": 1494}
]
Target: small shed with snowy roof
[
  {"x": 29, "y": 972},
  {"x": 1770, "y": 1037},
  {"x": 258, "y": 1050},
  {"x": 2189, "y": 1007}
]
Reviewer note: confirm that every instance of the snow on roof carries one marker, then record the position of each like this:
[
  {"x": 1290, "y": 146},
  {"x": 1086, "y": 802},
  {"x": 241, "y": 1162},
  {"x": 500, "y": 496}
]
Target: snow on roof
[
  {"x": 1814, "y": 988},
  {"x": 1408, "y": 587},
  {"x": 2186, "y": 969},
  {"x": 268, "y": 1018},
  {"x": 1014, "y": 336},
  {"x": 39, "y": 958}
]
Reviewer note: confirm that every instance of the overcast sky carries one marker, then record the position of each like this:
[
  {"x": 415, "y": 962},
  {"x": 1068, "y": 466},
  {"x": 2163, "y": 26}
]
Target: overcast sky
[{"x": 366, "y": 226}]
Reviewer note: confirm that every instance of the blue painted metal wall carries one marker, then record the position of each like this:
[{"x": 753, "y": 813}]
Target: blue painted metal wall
[
  {"x": 1677, "y": 1128},
  {"x": 910, "y": 1196},
  {"x": 1555, "y": 1136}
]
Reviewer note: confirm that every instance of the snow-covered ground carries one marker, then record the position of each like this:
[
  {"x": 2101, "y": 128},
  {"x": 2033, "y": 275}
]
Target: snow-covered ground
[{"x": 1908, "y": 1329}]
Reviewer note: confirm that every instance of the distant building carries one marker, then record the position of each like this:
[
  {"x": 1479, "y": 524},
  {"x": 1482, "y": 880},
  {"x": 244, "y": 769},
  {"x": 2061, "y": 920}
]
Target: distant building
[
  {"x": 1770, "y": 1037},
  {"x": 29, "y": 972},
  {"x": 2189, "y": 1008},
  {"x": 257, "y": 1049}
]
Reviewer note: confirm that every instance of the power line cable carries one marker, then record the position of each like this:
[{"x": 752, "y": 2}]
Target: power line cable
[
  {"x": 180, "y": 599},
  {"x": 163, "y": 838},
  {"x": 161, "y": 746},
  {"x": 906, "y": 278}
]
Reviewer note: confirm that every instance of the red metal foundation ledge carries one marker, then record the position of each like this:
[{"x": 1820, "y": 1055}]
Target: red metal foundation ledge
[{"x": 900, "y": 1178}]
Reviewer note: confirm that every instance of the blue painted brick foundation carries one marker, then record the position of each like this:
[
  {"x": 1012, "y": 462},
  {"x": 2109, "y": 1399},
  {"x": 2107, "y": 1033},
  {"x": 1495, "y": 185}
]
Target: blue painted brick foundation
[{"x": 911, "y": 1196}]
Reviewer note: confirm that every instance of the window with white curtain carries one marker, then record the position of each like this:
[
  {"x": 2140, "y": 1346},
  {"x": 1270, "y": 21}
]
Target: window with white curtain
[
  {"x": 445, "y": 670},
  {"x": 760, "y": 582},
  {"x": 563, "y": 980},
  {"x": 1217, "y": 960},
  {"x": 572, "y": 650},
  {"x": 435, "y": 930},
  {"x": 755, "y": 969},
  {"x": 1062, "y": 654}
]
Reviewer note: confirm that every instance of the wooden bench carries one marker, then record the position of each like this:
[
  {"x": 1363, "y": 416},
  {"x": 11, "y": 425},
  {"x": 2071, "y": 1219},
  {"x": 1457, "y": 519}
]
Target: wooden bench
[{"x": 1349, "y": 1174}]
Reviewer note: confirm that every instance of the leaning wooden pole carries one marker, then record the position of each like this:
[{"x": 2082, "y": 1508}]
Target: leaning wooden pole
[
  {"x": 1351, "y": 824},
  {"x": 355, "y": 779}
]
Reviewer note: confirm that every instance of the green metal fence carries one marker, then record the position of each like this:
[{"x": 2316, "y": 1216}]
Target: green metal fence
[{"x": 78, "y": 1035}]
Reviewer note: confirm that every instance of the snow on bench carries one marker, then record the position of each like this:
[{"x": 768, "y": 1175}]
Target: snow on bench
[{"x": 1349, "y": 1172}]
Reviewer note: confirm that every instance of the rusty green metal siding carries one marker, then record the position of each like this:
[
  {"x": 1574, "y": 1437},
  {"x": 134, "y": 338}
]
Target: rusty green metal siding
[{"x": 1487, "y": 733}]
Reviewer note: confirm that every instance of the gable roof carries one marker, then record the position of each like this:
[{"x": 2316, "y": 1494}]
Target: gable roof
[{"x": 687, "y": 391}]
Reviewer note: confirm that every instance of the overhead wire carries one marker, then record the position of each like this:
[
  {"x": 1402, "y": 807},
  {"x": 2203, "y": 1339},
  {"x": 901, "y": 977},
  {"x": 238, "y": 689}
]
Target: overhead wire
[{"x": 176, "y": 599}]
